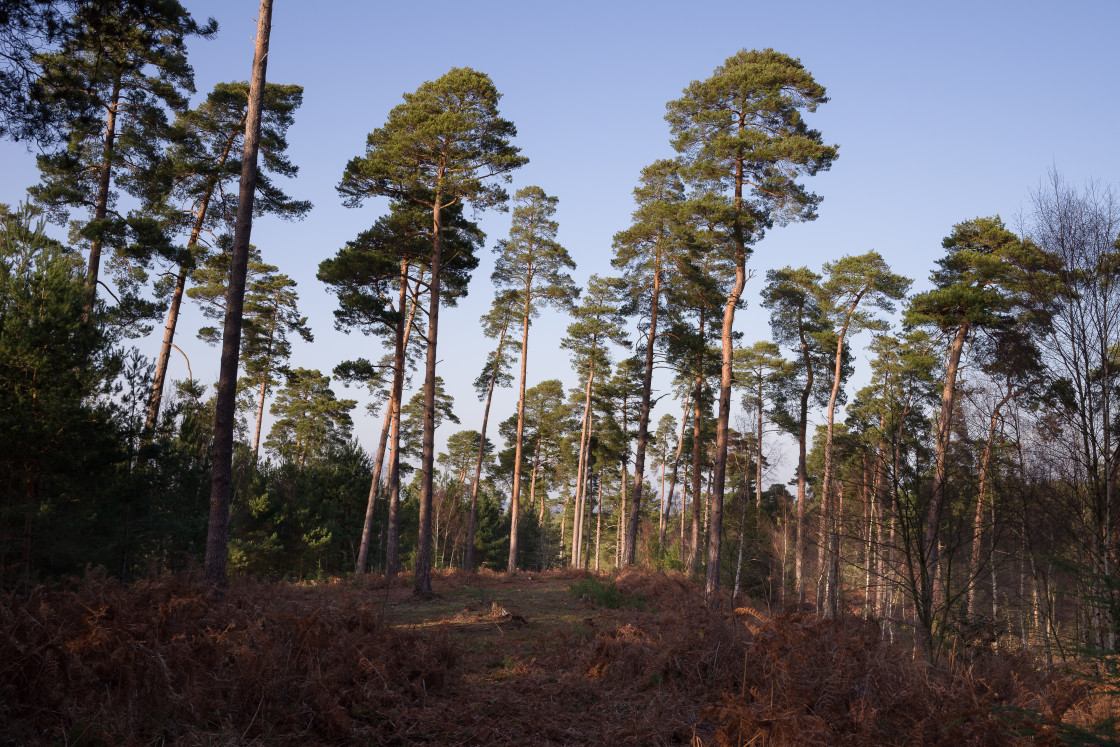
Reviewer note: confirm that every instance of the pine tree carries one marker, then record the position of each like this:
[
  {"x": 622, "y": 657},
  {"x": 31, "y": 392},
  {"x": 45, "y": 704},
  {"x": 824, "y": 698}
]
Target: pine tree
[
  {"x": 495, "y": 323},
  {"x": 852, "y": 283},
  {"x": 270, "y": 316},
  {"x": 394, "y": 252},
  {"x": 225, "y": 407},
  {"x": 310, "y": 419},
  {"x": 441, "y": 147},
  {"x": 797, "y": 321},
  {"x": 532, "y": 265},
  {"x": 109, "y": 83},
  {"x": 201, "y": 163},
  {"x": 653, "y": 252},
  {"x": 598, "y": 322},
  {"x": 53, "y": 364},
  {"x": 744, "y": 142}
]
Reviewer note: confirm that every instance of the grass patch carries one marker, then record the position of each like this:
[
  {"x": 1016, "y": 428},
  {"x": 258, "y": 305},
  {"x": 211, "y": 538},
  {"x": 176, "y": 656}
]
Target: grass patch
[{"x": 606, "y": 594}]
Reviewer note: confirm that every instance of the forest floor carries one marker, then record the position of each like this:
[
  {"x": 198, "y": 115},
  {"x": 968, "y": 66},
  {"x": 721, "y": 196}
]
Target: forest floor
[{"x": 554, "y": 658}]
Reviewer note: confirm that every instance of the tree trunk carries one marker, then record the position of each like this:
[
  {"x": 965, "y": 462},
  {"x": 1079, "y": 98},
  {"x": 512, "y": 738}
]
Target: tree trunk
[
  {"x": 581, "y": 471},
  {"x": 101, "y": 209},
  {"x": 225, "y": 407},
  {"x": 160, "y": 377},
  {"x": 697, "y": 472},
  {"x": 715, "y": 526},
  {"x": 870, "y": 591},
  {"x": 564, "y": 524},
  {"x": 422, "y": 582},
  {"x": 620, "y": 535},
  {"x": 802, "y": 477},
  {"x": 598, "y": 522},
  {"x": 826, "y": 482},
  {"x": 382, "y": 444},
  {"x": 742, "y": 541},
  {"x": 715, "y": 523},
  {"x": 515, "y": 498},
  {"x": 620, "y": 532},
  {"x": 264, "y": 389},
  {"x": 931, "y": 593},
  {"x": 978, "y": 517},
  {"x": 371, "y": 500},
  {"x": 643, "y": 427},
  {"x": 176, "y": 302},
  {"x": 533, "y": 481},
  {"x": 393, "y": 415},
  {"x": 758, "y": 463},
  {"x": 673, "y": 479},
  {"x": 468, "y": 557},
  {"x": 834, "y": 591}
]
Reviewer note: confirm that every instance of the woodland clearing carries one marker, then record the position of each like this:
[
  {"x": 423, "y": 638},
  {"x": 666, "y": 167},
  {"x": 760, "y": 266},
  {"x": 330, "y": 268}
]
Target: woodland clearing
[{"x": 554, "y": 658}]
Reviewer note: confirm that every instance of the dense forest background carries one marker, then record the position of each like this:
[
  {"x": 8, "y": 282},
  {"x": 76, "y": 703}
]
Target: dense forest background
[{"x": 913, "y": 422}]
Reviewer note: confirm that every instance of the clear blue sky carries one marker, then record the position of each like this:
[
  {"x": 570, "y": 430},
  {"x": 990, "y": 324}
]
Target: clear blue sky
[{"x": 942, "y": 111}]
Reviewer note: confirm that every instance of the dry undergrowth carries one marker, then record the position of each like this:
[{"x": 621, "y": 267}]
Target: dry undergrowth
[{"x": 160, "y": 661}]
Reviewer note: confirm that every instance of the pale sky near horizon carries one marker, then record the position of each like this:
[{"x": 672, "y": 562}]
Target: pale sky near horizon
[{"x": 942, "y": 111}]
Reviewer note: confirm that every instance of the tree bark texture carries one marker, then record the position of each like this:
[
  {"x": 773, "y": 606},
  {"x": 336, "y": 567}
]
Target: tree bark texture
[{"x": 225, "y": 408}]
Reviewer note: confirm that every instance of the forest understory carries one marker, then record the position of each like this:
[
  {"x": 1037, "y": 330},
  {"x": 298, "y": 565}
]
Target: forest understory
[{"x": 561, "y": 657}]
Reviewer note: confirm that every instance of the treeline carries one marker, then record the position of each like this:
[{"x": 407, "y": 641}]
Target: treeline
[{"x": 968, "y": 490}]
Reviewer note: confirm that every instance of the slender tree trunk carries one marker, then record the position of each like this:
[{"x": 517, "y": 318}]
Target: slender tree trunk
[
  {"x": 992, "y": 563},
  {"x": 978, "y": 518},
  {"x": 826, "y": 481},
  {"x": 673, "y": 479},
  {"x": 707, "y": 500},
  {"x": 158, "y": 382},
  {"x": 386, "y": 426},
  {"x": 515, "y": 498},
  {"x": 822, "y": 553},
  {"x": 264, "y": 389},
  {"x": 422, "y": 583},
  {"x": 620, "y": 532},
  {"x": 834, "y": 591},
  {"x": 888, "y": 597},
  {"x": 685, "y": 494},
  {"x": 870, "y": 591},
  {"x": 742, "y": 541},
  {"x": 785, "y": 553},
  {"x": 533, "y": 480},
  {"x": 661, "y": 513},
  {"x": 101, "y": 208},
  {"x": 931, "y": 593},
  {"x": 564, "y": 524},
  {"x": 468, "y": 557},
  {"x": 225, "y": 407},
  {"x": 598, "y": 522},
  {"x": 802, "y": 476},
  {"x": 715, "y": 526},
  {"x": 643, "y": 425},
  {"x": 393, "y": 416},
  {"x": 758, "y": 449},
  {"x": 581, "y": 470},
  {"x": 371, "y": 500},
  {"x": 697, "y": 472}
]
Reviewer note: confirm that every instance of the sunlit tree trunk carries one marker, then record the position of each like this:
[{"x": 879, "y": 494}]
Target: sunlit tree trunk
[
  {"x": 673, "y": 479},
  {"x": 468, "y": 555},
  {"x": 697, "y": 472},
  {"x": 582, "y": 469}
]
